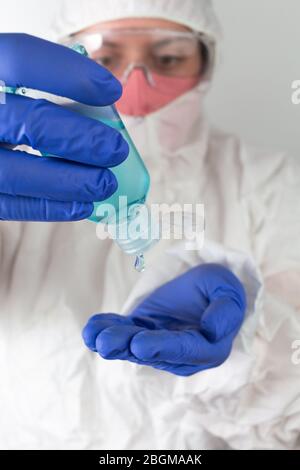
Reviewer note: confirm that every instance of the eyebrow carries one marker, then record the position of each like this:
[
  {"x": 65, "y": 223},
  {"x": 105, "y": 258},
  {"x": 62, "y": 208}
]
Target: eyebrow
[
  {"x": 156, "y": 45},
  {"x": 165, "y": 42},
  {"x": 110, "y": 44}
]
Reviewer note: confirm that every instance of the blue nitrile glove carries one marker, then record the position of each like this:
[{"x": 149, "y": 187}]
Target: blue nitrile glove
[
  {"x": 54, "y": 189},
  {"x": 183, "y": 327}
]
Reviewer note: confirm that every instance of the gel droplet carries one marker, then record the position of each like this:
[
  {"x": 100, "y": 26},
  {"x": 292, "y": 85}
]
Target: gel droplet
[
  {"x": 80, "y": 49},
  {"x": 140, "y": 263}
]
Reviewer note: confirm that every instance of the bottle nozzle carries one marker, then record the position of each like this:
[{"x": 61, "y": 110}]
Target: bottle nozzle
[{"x": 136, "y": 233}]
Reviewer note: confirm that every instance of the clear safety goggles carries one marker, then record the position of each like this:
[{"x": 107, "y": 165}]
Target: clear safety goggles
[{"x": 164, "y": 52}]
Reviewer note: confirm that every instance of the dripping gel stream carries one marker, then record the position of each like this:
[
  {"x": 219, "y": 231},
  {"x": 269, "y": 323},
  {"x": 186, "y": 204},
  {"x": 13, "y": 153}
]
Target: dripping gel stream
[{"x": 140, "y": 263}]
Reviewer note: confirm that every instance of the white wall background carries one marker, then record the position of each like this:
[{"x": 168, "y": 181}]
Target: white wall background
[
  {"x": 251, "y": 95},
  {"x": 261, "y": 58}
]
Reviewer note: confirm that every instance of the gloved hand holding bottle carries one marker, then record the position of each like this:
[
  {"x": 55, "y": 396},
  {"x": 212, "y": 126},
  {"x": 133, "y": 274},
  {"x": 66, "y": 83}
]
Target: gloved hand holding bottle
[
  {"x": 48, "y": 188},
  {"x": 185, "y": 326}
]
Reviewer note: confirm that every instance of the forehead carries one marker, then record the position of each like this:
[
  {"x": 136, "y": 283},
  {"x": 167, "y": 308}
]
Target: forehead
[
  {"x": 115, "y": 42},
  {"x": 124, "y": 41},
  {"x": 138, "y": 23}
]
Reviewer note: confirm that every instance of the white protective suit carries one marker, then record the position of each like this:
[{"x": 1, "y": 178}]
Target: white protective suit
[{"x": 57, "y": 394}]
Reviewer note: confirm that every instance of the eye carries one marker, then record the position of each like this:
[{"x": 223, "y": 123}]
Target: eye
[
  {"x": 168, "y": 60},
  {"x": 106, "y": 61}
]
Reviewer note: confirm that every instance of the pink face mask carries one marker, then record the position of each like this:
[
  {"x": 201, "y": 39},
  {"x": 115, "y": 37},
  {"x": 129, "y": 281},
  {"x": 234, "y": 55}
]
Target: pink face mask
[{"x": 140, "y": 98}]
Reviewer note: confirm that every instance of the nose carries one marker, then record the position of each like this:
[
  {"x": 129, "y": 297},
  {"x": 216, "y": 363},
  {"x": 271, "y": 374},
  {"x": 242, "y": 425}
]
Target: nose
[{"x": 137, "y": 66}]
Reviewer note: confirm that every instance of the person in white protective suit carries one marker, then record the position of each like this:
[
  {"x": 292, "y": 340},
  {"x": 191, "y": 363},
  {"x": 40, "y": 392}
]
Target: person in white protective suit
[{"x": 57, "y": 394}]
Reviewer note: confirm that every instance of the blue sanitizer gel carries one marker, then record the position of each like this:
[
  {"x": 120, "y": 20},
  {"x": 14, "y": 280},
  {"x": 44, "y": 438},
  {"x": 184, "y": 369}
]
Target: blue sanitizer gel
[{"x": 125, "y": 213}]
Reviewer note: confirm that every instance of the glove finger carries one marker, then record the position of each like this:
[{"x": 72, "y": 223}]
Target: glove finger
[
  {"x": 28, "y": 61},
  {"x": 97, "y": 323},
  {"x": 55, "y": 130},
  {"x": 114, "y": 342},
  {"x": 216, "y": 281},
  {"x": 179, "y": 347},
  {"x": 23, "y": 174},
  {"x": 110, "y": 335},
  {"x": 221, "y": 318},
  {"x": 226, "y": 300},
  {"x": 20, "y": 208}
]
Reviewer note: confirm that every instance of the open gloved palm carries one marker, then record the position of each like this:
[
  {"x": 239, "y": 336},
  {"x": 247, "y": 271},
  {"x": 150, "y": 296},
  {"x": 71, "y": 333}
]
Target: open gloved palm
[{"x": 185, "y": 326}]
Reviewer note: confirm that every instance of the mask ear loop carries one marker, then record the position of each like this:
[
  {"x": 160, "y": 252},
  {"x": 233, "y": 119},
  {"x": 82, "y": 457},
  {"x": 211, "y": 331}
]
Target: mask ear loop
[{"x": 142, "y": 67}]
